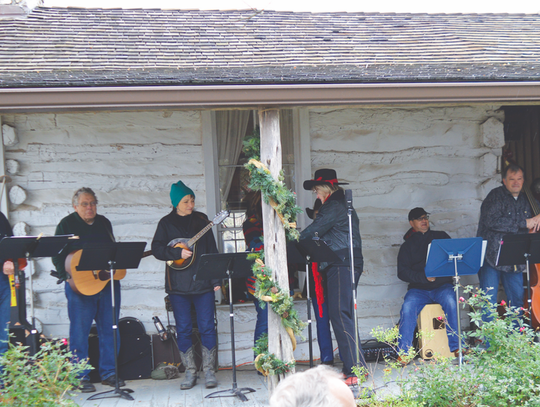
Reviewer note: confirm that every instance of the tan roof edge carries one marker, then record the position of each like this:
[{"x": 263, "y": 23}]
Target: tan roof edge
[{"x": 229, "y": 96}]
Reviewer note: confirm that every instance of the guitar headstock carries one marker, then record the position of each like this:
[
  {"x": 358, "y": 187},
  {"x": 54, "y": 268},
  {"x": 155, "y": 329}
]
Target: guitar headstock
[{"x": 220, "y": 217}]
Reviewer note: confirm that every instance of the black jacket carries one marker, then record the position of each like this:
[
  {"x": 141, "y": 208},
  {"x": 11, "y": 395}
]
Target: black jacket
[
  {"x": 500, "y": 215},
  {"x": 99, "y": 231},
  {"x": 332, "y": 225},
  {"x": 412, "y": 259},
  {"x": 171, "y": 227}
]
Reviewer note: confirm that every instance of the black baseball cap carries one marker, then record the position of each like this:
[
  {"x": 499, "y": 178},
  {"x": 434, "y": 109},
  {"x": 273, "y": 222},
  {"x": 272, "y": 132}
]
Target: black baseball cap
[{"x": 417, "y": 213}]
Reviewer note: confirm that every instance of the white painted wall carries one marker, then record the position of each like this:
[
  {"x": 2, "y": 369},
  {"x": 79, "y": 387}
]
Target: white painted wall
[{"x": 443, "y": 159}]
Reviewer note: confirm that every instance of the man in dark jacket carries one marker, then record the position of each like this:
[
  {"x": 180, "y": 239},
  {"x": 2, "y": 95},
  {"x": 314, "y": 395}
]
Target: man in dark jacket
[
  {"x": 8, "y": 268},
  {"x": 423, "y": 290},
  {"x": 84, "y": 309},
  {"x": 505, "y": 210}
]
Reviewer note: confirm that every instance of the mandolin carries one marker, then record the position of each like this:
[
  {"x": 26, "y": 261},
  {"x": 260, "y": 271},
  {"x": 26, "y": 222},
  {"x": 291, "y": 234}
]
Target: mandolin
[{"x": 186, "y": 243}]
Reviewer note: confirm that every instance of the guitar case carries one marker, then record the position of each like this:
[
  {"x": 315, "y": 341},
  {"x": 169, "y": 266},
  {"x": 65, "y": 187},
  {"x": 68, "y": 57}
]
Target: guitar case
[{"x": 135, "y": 356}]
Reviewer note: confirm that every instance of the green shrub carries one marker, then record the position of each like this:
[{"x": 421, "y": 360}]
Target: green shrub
[
  {"x": 44, "y": 379},
  {"x": 504, "y": 373}
]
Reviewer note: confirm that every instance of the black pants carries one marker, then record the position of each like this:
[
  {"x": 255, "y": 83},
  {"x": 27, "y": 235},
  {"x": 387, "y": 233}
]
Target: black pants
[{"x": 340, "y": 306}]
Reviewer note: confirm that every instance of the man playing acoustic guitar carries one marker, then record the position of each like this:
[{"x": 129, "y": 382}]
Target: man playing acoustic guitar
[{"x": 84, "y": 309}]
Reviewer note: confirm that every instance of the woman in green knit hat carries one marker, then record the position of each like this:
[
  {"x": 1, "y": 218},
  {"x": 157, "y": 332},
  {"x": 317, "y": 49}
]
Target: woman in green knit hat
[{"x": 184, "y": 291}]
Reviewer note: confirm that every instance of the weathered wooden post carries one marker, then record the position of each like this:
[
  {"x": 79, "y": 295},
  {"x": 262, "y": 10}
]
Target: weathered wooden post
[{"x": 275, "y": 252}]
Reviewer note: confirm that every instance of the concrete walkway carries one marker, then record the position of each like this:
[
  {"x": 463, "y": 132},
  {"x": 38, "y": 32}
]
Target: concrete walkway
[{"x": 167, "y": 393}]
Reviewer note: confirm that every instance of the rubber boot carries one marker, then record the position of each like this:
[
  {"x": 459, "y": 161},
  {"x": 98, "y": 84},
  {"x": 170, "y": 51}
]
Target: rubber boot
[
  {"x": 209, "y": 363},
  {"x": 190, "y": 378}
]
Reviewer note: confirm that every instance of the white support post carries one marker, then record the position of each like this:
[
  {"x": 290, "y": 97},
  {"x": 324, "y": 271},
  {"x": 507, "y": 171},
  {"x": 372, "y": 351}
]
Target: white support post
[
  {"x": 279, "y": 342},
  {"x": 4, "y": 199}
]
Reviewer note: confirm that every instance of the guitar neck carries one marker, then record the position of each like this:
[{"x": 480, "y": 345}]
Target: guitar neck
[{"x": 194, "y": 239}]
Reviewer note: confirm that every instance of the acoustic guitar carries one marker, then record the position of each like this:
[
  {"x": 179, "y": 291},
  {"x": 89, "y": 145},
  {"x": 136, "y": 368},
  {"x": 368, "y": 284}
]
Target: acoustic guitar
[
  {"x": 186, "y": 243},
  {"x": 90, "y": 282}
]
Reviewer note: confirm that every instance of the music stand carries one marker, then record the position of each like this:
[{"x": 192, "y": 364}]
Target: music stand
[
  {"x": 221, "y": 266},
  {"x": 454, "y": 258},
  {"x": 517, "y": 249},
  {"x": 308, "y": 251},
  {"x": 17, "y": 247},
  {"x": 112, "y": 256}
]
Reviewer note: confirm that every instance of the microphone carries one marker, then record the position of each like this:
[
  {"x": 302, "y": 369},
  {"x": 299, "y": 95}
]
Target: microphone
[{"x": 348, "y": 198}]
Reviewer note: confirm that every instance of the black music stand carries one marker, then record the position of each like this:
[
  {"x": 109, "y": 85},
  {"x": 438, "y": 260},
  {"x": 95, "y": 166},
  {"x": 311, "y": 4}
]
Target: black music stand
[
  {"x": 112, "y": 256},
  {"x": 308, "y": 251},
  {"x": 221, "y": 266},
  {"x": 17, "y": 247},
  {"x": 455, "y": 258},
  {"x": 518, "y": 249}
]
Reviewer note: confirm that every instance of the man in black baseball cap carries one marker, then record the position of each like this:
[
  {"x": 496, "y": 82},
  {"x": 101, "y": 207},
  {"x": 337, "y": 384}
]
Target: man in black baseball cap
[
  {"x": 417, "y": 213},
  {"x": 423, "y": 290}
]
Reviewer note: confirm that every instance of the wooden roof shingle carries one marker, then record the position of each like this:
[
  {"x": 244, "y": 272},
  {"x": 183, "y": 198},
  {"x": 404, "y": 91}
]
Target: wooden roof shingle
[{"x": 108, "y": 47}]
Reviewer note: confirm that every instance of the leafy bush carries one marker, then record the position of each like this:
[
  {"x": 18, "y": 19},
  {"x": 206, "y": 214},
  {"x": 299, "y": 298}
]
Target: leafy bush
[
  {"x": 44, "y": 379},
  {"x": 503, "y": 371}
]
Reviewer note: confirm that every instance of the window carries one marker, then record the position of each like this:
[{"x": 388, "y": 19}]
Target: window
[{"x": 232, "y": 127}]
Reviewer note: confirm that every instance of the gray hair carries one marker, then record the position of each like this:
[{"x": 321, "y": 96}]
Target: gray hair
[
  {"x": 79, "y": 192},
  {"x": 307, "y": 389},
  {"x": 329, "y": 189}
]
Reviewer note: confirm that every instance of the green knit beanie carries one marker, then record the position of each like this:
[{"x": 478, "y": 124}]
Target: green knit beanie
[{"x": 178, "y": 191}]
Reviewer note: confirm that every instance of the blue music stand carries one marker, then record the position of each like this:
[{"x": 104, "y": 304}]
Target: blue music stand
[{"x": 455, "y": 258}]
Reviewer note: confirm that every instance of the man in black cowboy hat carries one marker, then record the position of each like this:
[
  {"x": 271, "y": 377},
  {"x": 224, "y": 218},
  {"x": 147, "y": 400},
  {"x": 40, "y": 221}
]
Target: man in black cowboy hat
[{"x": 332, "y": 226}]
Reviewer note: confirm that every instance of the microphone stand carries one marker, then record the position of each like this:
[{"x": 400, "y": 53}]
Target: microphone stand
[{"x": 348, "y": 198}]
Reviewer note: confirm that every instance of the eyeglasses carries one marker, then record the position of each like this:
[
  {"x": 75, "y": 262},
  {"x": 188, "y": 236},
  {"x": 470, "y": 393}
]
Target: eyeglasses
[
  {"x": 86, "y": 204},
  {"x": 422, "y": 218}
]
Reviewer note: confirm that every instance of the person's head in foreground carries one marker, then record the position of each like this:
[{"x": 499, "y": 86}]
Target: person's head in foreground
[{"x": 318, "y": 387}]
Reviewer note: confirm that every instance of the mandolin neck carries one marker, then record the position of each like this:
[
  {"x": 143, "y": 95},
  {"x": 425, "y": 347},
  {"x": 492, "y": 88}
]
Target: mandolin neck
[{"x": 195, "y": 238}]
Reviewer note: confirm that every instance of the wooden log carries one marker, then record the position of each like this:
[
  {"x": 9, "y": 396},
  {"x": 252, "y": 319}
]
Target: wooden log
[{"x": 275, "y": 251}]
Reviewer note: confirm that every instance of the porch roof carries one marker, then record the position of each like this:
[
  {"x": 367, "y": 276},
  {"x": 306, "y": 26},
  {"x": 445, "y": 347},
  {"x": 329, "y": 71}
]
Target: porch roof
[{"x": 74, "y": 47}]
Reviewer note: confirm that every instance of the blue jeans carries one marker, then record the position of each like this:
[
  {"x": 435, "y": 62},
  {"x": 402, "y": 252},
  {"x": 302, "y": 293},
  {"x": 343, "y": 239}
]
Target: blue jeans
[
  {"x": 5, "y": 311},
  {"x": 204, "y": 307},
  {"x": 414, "y": 301},
  {"x": 261, "y": 326},
  {"x": 341, "y": 312},
  {"x": 324, "y": 336},
  {"x": 82, "y": 311},
  {"x": 512, "y": 283}
]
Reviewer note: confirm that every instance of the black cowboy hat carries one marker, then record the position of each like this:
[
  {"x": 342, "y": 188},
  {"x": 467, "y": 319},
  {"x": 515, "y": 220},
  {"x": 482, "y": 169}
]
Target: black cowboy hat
[
  {"x": 316, "y": 205},
  {"x": 324, "y": 176}
]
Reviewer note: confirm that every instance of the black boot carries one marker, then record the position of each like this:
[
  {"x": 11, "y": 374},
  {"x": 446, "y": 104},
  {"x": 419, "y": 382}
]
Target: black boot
[
  {"x": 190, "y": 378},
  {"x": 209, "y": 363}
]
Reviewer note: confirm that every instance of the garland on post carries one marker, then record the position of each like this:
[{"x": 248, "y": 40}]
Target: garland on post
[{"x": 283, "y": 201}]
